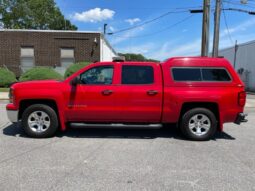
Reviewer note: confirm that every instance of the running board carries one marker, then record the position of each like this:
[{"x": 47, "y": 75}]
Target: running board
[{"x": 115, "y": 125}]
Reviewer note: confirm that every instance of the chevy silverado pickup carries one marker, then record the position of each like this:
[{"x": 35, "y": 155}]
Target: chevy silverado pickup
[{"x": 198, "y": 94}]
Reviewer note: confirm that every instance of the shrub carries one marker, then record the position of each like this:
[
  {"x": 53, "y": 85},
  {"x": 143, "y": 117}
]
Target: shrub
[
  {"x": 7, "y": 77},
  {"x": 74, "y": 68},
  {"x": 40, "y": 73}
]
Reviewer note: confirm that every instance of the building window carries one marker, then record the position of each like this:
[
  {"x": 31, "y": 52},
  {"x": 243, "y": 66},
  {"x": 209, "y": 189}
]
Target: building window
[
  {"x": 67, "y": 57},
  {"x": 26, "y": 58}
]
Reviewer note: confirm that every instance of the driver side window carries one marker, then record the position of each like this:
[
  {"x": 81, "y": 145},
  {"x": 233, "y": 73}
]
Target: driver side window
[{"x": 97, "y": 75}]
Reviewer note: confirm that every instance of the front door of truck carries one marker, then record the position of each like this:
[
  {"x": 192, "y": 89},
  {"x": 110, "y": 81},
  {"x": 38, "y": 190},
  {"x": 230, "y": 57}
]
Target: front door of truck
[{"x": 94, "y": 98}]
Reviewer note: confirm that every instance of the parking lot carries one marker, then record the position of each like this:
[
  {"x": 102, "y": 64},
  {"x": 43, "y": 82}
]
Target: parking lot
[{"x": 108, "y": 159}]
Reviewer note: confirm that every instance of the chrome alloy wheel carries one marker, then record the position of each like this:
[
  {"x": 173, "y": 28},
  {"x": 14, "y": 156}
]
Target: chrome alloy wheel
[
  {"x": 39, "y": 121},
  {"x": 199, "y": 124}
]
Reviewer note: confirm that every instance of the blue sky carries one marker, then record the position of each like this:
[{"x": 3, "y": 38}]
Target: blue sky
[{"x": 162, "y": 38}]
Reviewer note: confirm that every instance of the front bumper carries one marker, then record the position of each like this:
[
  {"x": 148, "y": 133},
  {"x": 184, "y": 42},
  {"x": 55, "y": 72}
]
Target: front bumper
[
  {"x": 241, "y": 118},
  {"x": 13, "y": 115}
]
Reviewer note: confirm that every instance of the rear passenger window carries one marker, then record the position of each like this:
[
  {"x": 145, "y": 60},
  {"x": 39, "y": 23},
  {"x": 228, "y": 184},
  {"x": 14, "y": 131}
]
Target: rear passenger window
[
  {"x": 215, "y": 75},
  {"x": 137, "y": 75},
  {"x": 186, "y": 74}
]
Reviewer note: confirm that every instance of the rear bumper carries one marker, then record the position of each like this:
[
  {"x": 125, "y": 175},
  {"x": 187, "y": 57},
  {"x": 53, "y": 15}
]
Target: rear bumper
[
  {"x": 241, "y": 118},
  {"x": 13, "y": 115}
]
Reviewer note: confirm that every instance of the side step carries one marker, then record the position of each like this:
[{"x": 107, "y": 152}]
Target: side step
[{"x": 116, "y": 125}]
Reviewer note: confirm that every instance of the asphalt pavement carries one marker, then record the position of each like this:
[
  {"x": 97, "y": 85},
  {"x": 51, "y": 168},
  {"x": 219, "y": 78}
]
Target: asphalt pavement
[{"x": 108, "y": 159}]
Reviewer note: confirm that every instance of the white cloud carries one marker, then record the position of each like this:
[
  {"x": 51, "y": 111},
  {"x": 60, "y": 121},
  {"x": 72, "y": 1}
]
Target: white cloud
[
  {"x": 94, "y": 15},
  {"x": 133, "y": 21},
  {"x": 125, "y": 36},
  {"x": 241, "y": 27},
  {"x": 111, "y": 28},
  {"x": 137, "y": 49}
]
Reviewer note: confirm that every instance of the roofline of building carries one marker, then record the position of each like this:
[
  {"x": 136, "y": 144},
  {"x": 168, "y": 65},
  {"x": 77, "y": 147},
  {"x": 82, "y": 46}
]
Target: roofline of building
[
  {"x": 56, "y": 31},
  {"x": 241, "y": 44},
  {"x": 108, "y": 44}
]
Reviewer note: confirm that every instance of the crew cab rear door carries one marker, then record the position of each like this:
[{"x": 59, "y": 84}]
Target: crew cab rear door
[{"x": 140, "y": 92}]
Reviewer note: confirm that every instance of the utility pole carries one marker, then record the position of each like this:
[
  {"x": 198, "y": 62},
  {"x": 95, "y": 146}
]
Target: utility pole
[
  {"x": 216, "y": 34},
  {"x": 205, "y": 29},
  {"x": 236, "y": 48}
]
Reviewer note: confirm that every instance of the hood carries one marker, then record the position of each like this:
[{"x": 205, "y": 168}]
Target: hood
[{"x": 36, "y": 84}]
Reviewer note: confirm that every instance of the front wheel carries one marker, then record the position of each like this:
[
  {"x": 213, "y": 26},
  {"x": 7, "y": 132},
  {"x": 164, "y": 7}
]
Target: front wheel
[
  {"x": 199, "y": 124},
  {"x": 39, "y": 121}
]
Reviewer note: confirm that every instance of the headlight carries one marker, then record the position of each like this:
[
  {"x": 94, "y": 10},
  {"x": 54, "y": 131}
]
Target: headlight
[{"x": 11, "y": 95}]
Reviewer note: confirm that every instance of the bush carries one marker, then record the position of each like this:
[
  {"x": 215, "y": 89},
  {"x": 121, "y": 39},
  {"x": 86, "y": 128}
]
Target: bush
[
  {"x": 40, "y": 73},
  {"x": 74, "y": 68},
  {"x": 7, "y": 77}
]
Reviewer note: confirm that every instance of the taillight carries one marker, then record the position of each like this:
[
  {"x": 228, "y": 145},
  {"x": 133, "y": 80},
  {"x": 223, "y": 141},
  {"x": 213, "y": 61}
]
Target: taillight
[
  {"x": 242, "y": 98},
  {"x": 11, "y": 95}
]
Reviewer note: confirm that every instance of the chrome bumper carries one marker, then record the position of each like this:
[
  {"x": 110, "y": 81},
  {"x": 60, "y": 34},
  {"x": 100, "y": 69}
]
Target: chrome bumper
[{"x": 13, "y": 115}]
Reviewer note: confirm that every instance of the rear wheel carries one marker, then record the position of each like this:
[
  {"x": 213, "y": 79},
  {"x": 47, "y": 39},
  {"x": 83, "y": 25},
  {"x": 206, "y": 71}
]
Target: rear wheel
[
  {"x": 199, "y": 124},
  {"x": 39, "y": 121}
]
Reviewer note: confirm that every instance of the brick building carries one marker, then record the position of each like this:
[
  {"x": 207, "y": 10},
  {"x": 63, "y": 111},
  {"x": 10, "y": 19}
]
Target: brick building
[{"x": 23, "y": 49}]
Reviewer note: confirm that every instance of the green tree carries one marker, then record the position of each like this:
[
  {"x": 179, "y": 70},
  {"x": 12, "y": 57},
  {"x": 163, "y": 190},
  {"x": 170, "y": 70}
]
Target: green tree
[
  {"x": 136, "y": 57},
  {"x": 33, "y": 14}
]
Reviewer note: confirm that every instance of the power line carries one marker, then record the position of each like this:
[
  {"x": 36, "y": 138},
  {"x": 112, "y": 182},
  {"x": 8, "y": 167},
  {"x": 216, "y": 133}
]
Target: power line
[
  {"x": 147, "y": 22},
  {"x": 157, "y": 32},
  {"x": 226, "y": 24}
]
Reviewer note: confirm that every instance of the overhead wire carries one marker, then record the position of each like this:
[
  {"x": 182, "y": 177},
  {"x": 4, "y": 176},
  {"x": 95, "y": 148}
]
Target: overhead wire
[
  {"x": 148, "y": 21},
  {"x": 157, "y": 32}
]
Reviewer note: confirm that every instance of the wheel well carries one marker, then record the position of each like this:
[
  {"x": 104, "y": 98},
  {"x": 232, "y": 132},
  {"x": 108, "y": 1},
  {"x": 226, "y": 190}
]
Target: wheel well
[
  {"x": 26, "y": 103},
  {"x": 208, "y": 105}
]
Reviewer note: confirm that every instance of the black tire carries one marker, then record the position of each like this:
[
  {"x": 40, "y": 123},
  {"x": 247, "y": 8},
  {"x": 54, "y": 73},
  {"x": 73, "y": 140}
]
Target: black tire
[
  {"x": 53, "y": 119},
  {"x": 196, "y": 112}
]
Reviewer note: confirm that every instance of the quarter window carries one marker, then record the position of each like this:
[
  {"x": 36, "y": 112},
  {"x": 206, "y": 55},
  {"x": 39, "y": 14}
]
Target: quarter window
[
  {"x": 186, "y": 74},
  {"x": 137, "y": 75},
  {"x": 215, "y": 75},
  {"x": 97, "y": 75}
]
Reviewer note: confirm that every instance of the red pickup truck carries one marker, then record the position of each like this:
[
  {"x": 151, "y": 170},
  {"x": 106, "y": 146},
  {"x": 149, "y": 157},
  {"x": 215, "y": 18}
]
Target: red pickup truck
[{"x": 197, "y": 94}]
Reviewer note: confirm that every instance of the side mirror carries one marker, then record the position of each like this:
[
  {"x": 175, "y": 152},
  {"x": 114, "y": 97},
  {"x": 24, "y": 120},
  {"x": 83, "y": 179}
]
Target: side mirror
[{"x": 75, "y": 81}]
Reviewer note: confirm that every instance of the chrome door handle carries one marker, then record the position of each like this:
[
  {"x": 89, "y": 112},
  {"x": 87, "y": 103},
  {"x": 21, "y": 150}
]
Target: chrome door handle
[
  {"x": 107, "y": 92},
  {"x": 152, "y": 92}
]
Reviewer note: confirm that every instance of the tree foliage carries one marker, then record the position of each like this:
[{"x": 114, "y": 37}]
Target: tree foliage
[
  {"x": 33, "y": 14},
  {"x": 40, "y": 73},
  {"x": 6, "y": 77},
  {"x": 136, "y": 57},
  {"x": 74, "y": 68}
]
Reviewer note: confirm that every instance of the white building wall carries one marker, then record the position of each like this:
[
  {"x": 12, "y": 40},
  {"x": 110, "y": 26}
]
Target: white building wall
[
  {"x": 107, "y": 52},
  {"x": 245, "y": 62}
]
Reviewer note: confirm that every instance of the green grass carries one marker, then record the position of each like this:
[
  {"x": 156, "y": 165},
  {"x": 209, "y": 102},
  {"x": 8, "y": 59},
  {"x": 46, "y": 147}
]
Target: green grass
[{"x": 4, "y": 89}]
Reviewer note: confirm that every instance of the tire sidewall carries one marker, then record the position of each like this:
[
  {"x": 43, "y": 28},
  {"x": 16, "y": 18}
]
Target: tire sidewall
[
  {"x": 53, "y": 121},
  {"x": 185, "y": 124}
]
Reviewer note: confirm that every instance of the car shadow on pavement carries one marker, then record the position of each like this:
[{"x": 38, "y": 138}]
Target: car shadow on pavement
[{"x": 166, "y": 132}]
